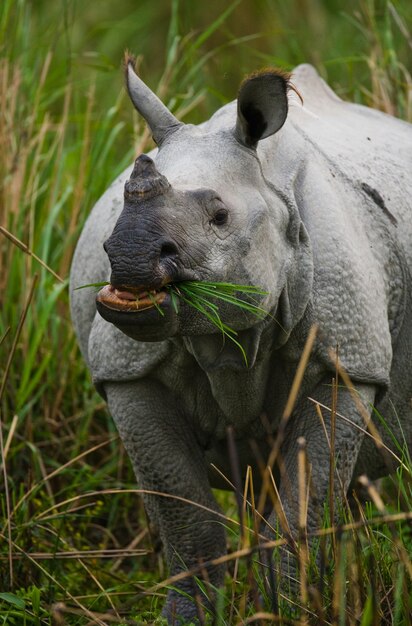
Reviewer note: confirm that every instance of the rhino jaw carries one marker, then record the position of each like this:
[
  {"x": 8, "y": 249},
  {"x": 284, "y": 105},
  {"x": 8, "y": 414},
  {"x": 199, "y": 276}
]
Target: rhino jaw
[
  {"x": 143, "y": 314},
  {"x": 129, "y": 299}
]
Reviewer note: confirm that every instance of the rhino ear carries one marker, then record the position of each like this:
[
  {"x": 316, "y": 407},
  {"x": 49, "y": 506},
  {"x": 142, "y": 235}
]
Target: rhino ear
[
  {"x": 262, "y": 106},
  {"x": 160, "y": 120}
]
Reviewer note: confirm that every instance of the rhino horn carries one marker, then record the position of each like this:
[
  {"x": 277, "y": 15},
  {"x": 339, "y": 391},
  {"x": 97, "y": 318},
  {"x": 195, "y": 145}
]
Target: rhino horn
[
  {"x": 145, "y": 181},
  {"x": 160, "y": 120}
]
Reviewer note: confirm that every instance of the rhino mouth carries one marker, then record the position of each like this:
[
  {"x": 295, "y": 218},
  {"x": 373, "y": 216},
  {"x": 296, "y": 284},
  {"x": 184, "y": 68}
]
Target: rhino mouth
[
  {"x": 144, "y": 314},
  {"x": 130, "y": 299}
]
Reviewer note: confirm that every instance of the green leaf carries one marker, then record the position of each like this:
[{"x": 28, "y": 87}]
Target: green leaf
[
  {"x": 35, "y": 600},
  {"x": 367, "y": 615},
  {"x": 202, "y": 296},
  {"x": 153, "y": 301},
  {"x": 96, "y": 285},
  {"x": 13, "y": 599}
]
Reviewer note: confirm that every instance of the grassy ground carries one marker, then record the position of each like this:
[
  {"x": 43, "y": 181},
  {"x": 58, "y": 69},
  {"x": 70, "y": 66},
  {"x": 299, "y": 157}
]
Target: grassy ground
[{"x": 75, "y": 547}]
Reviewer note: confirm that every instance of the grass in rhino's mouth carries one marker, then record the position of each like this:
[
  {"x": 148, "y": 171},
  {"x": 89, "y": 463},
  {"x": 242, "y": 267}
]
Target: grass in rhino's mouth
[{"x": 204, "y": 297}]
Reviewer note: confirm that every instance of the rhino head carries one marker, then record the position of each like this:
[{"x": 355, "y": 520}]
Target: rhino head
[{"x": 203, "y": 210}]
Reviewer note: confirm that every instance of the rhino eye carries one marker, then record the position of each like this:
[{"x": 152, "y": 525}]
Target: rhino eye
[{"x": 219, "y": 218}]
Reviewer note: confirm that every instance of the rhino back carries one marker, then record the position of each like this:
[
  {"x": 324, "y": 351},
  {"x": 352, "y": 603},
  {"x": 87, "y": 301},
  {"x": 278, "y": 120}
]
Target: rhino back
[{"x": 372, "y": 149}]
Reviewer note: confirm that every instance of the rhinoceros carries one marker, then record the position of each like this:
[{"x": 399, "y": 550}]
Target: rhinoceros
[{"x": 310, "y": 201}]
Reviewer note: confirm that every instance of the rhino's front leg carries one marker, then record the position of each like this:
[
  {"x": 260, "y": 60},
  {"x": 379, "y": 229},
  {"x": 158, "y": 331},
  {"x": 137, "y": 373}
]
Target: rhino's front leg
[
  {"x": 167, "y": 459},
  {"x": 305, "y": 422}
]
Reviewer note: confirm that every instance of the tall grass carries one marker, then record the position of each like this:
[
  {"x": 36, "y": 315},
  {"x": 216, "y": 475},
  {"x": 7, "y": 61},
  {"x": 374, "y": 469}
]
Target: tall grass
[{"x": 75, "y": 547}]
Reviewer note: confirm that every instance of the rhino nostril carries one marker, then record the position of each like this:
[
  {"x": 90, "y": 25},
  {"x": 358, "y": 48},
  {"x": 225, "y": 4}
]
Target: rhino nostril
[{"x": 168, "y": 251}]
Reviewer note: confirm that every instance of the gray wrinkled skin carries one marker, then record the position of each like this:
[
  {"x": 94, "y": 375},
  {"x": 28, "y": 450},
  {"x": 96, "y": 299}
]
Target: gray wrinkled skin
[{"x": 320, "y": 216}]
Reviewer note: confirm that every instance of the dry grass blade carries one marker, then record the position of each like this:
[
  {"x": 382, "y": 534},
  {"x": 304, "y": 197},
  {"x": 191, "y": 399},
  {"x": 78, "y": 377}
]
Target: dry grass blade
[
  {"x": 7, "y": 495},
  {"x": 332, "y": 457},
  {"x": 131, "y": 548},
  {"x": 26, "y": 250},
  {"x": 278, "y": 507},
  {"x": 333, "y": 467},
  {"x": 3, "y": 337},
  {"x": 303, "y": 513},
  {"x": 371, "y": 432},
  {"x": 48, "y": 513},
  {"x": 297, "y": 381},
  {"x": 60, "y": 609},
  {"x": 9, "y": 439},
  {"x": 232, "y": 487},
  {"x": 122, "y": 553},
  {"x": 105, "y": 593},
  {"x": 272, "y": 618}
]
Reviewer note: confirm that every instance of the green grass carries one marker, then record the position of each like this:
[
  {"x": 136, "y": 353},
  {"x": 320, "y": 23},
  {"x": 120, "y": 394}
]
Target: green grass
[
  {"x": 66, "y": 131},
  {"x": 205, "y": 297}
]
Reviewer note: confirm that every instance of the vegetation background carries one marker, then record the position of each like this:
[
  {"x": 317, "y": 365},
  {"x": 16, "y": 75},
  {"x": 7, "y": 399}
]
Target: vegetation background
[{"x": 75, "y": 547}]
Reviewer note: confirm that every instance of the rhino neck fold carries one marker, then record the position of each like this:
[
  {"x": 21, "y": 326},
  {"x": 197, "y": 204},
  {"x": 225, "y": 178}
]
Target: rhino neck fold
[
  {"x": 214, "y": 352},
  {"x": 238, "y": 390}
]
